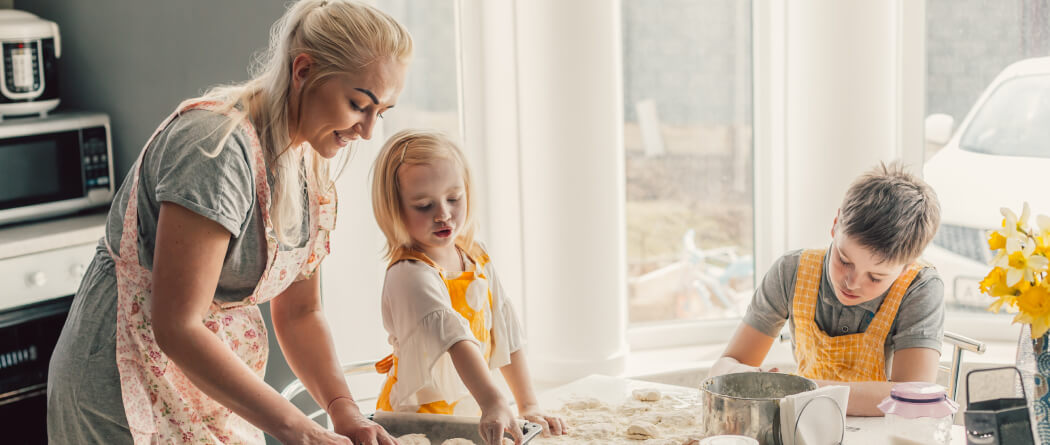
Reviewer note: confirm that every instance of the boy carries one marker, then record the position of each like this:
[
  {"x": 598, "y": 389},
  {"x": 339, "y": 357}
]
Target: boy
[{"x": 862, "y": 307}]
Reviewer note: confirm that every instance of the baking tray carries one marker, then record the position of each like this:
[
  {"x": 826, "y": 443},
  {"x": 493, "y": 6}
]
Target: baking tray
[{"x": 441, "y": 427}]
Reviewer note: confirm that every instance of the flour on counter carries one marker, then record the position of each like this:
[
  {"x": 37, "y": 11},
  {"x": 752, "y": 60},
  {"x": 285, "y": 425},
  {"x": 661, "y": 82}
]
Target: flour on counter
[{"x": 646, "y": 417}]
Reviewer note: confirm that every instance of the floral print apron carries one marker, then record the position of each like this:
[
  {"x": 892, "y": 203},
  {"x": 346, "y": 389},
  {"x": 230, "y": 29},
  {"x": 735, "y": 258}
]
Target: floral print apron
[
  {"x": 856, "y": 357},
  {"x": 470, "y": 294},
  {"x": 161, "y": 404}
]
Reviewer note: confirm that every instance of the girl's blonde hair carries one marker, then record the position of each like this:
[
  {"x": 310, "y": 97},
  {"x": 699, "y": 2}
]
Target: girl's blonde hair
[
  {"x": 340, "y": 36},
  {"x": 414, "y": 147}
]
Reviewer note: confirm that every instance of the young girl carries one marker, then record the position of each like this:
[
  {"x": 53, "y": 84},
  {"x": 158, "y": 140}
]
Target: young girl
[{"x": 441, "y": 293}]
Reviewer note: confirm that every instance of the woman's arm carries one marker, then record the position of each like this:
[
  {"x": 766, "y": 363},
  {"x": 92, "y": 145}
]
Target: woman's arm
[
  {"x": 520, "y": 383},
  {"x": 496, "y": 416},
  {"x": 306, "y": 341},
  {"x": 186, "y": 265},
  {"x": 909, "y": 365}
]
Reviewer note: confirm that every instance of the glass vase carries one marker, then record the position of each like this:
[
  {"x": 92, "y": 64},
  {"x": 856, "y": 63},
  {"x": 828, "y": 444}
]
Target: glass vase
[{"x": 1033, "y": 359}]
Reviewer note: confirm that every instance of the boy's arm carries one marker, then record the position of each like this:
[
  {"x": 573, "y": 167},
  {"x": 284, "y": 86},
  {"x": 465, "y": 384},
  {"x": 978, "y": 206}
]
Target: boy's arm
[
  {"x": 745, "y": 351},
  {"x": 909, "y": 365}
]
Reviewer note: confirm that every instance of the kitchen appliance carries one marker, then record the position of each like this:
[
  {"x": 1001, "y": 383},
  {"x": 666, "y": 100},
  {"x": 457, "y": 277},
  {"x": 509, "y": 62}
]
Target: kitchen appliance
[
  {"x": 1003, "y": 421},
  {"x": 30, "y": 49},
  {"x": 53, "y": 165},
  {"x": 748, "y": 403},
  {"x": 42, "y": 266}
]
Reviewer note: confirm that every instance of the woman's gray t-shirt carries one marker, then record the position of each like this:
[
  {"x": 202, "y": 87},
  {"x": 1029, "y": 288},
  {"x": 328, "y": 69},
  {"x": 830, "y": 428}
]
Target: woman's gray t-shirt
[{"x": 181, "y": 166}]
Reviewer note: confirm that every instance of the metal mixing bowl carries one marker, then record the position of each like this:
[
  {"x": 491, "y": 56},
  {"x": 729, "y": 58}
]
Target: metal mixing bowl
[{"x": 748, "y": 403}]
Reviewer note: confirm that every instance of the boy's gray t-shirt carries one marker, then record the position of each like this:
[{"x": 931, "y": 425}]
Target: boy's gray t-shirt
[
  {"x": 919, "y": 322},
  {"x": 182, "y": 166}
]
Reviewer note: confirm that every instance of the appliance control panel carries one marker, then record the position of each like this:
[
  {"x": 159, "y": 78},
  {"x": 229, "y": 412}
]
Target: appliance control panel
[
  {"x": 22, "y": 60},
  {"x": 95, "y": 150},
  {"x": 45, "y": 275}
]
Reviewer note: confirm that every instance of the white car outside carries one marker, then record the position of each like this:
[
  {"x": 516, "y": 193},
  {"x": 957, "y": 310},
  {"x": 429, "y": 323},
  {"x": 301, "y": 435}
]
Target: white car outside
[{"x": 999, "y": 157}]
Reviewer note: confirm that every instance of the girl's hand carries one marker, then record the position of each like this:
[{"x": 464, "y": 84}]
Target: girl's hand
[
  {"x": 495, "y": 420},
  {"x": 552, "y": 425}
]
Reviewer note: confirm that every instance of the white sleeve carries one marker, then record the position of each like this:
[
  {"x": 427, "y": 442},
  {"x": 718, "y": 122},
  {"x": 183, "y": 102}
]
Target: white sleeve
[
  {"x": 507, "y": 333},
  {"x": 418, "y": 316}
]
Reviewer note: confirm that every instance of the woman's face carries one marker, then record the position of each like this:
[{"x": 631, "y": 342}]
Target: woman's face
[
  {"x": 433, "y": 202},
  {"x": 343, "y": 107}
]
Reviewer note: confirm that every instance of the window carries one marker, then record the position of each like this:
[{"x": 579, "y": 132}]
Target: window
[
  {"x": 988, "y": 106},
  {"x": 687, "y": 87},
  {"x": 431, "y": 95}
]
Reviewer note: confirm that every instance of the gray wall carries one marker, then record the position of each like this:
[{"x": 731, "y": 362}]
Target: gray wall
[{"x": 136, "y": 60}]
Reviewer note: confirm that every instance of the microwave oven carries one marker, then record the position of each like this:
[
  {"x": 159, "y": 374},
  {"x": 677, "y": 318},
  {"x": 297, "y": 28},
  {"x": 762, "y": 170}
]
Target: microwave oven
[{"x": 53, "y": 165}]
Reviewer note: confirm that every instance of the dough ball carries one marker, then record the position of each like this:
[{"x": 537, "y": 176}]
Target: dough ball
[
  {"x": 640, "y": 430},
  {"x": 458, "y": 441},
  {"x": 414, "y": 439},
  {"x": 647, "y": 395}
]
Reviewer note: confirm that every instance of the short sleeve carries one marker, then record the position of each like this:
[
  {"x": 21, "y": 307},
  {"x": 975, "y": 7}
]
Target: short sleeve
[
  {"x": 771, "y": 303},
  {"x": 920, "y": 318},
  {"x": 193, "y": 166},
  {"x": 421, "y": 322}
]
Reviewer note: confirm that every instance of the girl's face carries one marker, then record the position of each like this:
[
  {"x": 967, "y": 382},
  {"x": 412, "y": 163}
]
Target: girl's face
[
  {"x": 344, "y": 107},
  {"x": 433, "y": 203},
  {"x": 857, "y": 275}
]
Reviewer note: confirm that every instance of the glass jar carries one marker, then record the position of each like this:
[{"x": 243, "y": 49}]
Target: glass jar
[{"x": 918, "y": 413}]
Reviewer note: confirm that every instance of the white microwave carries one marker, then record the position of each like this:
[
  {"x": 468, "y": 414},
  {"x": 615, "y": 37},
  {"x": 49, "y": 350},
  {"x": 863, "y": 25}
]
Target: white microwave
[{"x": 54, "y": 165}]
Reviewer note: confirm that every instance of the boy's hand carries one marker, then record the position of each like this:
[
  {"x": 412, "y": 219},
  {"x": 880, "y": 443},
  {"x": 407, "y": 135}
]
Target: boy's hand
[{"x": 552, "y": 425}]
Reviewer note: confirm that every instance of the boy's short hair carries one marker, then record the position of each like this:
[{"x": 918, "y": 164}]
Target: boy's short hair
[{"x": 891, "y": 212}]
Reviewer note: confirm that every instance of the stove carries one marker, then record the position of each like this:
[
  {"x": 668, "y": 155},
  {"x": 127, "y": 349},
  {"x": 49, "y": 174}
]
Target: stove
[{"x": 41, "y": 265}]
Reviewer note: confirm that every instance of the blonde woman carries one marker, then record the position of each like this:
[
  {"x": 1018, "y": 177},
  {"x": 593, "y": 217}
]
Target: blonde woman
[{"x": 229, "y": 206}]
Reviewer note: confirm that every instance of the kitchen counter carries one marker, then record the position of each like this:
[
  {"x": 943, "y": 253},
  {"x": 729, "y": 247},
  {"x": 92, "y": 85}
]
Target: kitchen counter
[
  {"x": 615, "y": 390},
  {"x": 35, "y": 237}
]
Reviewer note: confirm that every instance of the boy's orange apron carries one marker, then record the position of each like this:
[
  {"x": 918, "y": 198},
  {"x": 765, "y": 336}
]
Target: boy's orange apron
[
  {"x": 457, "y": 290},
  {"x": 161, "y": 404},
  {"x": 847, "y": 358}
]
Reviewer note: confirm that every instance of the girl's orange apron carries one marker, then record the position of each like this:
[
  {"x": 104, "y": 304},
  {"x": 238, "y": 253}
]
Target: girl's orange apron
[
  {"x": 161, "y": 404},
  {"x": 847, "y": 358},
  {"x": 458, "y": 291}
]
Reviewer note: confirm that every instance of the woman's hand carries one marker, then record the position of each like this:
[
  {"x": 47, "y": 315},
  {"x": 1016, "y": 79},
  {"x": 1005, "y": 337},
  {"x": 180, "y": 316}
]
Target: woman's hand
[
  {"x": 496, "y": 419},
  {"x": 552, "y": 425},
  {"x": 310, "y": 432},
  {"x": 349, "y": 422}
]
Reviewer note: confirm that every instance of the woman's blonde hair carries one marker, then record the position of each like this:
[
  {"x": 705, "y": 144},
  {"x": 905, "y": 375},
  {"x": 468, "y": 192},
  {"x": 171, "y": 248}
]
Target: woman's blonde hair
[
  {"x": 340, "y": 36},
  {"x": 414, "y": 147}
]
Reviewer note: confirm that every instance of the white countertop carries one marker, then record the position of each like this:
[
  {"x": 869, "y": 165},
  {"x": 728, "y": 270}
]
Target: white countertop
[
  {"x": 614, "y": 390},
  {"x": 27, "y": 238}
]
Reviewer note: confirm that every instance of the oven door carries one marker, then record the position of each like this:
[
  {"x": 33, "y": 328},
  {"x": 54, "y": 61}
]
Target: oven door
[{"x": 28, "y": 335}]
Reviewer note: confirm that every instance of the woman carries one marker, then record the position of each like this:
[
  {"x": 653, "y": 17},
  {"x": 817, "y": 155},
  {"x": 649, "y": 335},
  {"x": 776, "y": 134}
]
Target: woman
[{"x": 229, "y": 206}]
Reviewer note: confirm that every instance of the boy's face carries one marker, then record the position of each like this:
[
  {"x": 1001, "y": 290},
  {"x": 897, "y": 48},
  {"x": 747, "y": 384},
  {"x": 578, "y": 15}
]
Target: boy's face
[{"x": 857, "y": 275}]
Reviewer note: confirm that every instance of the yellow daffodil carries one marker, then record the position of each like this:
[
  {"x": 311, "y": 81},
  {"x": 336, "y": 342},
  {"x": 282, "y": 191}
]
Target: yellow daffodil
[
  {"x": 996, "y": 240},
  {"x": 1034, "y": 305},
  {"x": 1042, "y": 237},
  {"x": 1019, "y": 261},
  {"x": 1014, "y": 224}
]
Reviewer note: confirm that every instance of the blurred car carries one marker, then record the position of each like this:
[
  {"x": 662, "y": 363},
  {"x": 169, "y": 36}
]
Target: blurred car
[{"x": 998, "y": 157}]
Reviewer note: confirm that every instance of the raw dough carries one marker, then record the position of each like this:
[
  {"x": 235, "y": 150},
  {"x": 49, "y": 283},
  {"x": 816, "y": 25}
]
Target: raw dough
[
  {"x": 414, "y": 439},
  {"x": 640, "y": 430},
  {"x": 647, "y": 395},
  {"x": 458, "y": 441}
]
